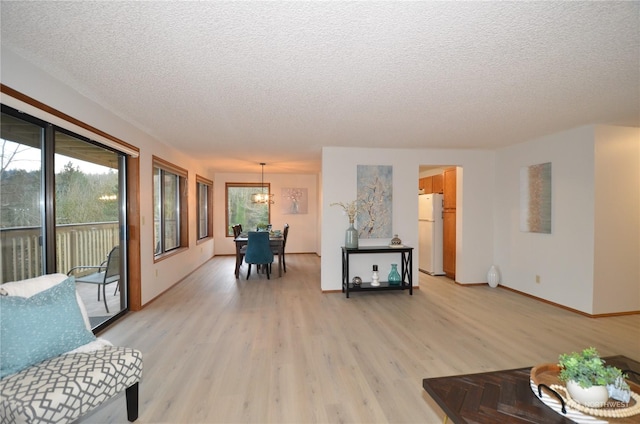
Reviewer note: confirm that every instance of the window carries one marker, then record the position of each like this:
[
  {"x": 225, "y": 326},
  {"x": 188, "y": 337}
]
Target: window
[
  {"x": 205, "y": 207},
  {"x": 170, "y": 228},
  {"x": 240, "y": 209}
]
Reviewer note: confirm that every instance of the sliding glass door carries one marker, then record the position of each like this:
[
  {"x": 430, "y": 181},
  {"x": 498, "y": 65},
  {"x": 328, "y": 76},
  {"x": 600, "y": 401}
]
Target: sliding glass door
[{"x": 63, "y": 210}]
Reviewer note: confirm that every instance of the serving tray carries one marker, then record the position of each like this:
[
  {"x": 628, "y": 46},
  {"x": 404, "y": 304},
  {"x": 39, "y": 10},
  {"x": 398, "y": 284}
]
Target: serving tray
[{"x": 547, "y": 387}]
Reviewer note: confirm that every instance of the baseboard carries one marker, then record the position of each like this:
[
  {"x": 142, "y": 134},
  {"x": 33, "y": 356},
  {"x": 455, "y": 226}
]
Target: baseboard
[{"x": 613, "y": 314}]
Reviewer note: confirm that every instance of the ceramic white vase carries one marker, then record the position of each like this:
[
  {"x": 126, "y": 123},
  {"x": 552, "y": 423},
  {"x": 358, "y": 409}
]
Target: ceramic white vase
[
  {"x": 493, "y": 276},
  {"x": 592, "y": 397}
]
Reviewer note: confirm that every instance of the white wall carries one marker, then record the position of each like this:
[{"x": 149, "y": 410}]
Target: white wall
[
  {"x": 475, "y": 201},
  {"x": 303, "y": 228},
  {"x": 156, "y": 277},
  {"x": 617, "y": 220},
  {"x": 566, "y": 259}
]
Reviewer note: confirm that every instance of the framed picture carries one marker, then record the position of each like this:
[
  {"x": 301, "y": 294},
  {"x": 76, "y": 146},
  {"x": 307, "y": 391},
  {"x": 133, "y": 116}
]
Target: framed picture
[
  {"x": 294, "y": 201},
  {"x": 375, "y": 205},
  {"x": 535, "y": 198}
]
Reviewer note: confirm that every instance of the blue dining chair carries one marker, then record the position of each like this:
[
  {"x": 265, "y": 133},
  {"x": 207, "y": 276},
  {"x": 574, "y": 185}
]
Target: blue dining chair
[
  {"x": 258, "y": 251},
  {"x": 285, "y": 234}
]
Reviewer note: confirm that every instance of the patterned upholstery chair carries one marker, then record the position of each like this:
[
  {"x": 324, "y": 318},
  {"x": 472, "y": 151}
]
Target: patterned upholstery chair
[{"x": 58, "y": 385}]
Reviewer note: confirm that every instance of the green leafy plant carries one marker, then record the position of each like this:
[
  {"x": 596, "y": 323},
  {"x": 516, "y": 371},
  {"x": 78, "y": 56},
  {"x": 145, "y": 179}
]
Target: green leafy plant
[{"x": 587, "y": 369}]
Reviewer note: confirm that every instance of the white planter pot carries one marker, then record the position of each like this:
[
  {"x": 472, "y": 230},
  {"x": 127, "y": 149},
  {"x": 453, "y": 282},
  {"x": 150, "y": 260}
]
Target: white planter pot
[{"x": 592, "y": 397}]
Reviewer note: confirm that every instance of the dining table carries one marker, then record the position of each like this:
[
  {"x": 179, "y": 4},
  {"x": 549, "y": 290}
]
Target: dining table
[{"x": 276, "y": 241}]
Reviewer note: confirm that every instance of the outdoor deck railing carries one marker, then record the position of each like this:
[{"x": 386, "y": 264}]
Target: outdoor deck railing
[{"x": 76, "y": 244}]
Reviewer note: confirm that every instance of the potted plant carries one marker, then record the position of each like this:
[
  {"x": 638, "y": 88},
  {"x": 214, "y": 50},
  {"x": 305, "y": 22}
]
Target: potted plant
[{"x": 588, "y": 379}]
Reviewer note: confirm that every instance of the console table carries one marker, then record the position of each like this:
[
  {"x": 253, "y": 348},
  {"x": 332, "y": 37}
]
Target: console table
[{"x": 406, "y": 269}]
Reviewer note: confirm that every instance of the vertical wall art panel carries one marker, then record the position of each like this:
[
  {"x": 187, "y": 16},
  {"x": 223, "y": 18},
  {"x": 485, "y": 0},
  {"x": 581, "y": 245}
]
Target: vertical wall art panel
[
  {"x": 375, "y": 186},
  {"x": 294, "y": 201},
  {"x": 535, "y": 198}
]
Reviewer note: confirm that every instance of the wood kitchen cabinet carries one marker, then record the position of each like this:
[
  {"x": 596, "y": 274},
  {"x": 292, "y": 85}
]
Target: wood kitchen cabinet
[
  {"x": 449, "y": 223},
  {"x": 426, "y": 185},
  {"x": 438, "y": 183},
  {"x": 449, "y": 188},
  {"x": 449, "y": 243}
]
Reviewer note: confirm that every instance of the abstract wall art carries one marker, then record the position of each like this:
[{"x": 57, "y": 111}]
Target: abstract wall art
[
  {"x": 375, "y": 206},
  {"x": 535, "y": 198}
]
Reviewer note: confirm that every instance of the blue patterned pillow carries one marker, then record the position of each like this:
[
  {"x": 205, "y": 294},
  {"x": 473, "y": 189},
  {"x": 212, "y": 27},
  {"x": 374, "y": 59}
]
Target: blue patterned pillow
[{"x": 40, "y": 327}]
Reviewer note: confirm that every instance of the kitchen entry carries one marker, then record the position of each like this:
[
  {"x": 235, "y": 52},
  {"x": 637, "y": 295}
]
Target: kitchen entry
[{"x": 437, "y": 220}]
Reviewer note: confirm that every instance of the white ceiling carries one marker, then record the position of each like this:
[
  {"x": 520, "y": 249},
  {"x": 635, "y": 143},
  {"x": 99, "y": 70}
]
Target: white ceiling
[{"x": 239, "y": 83}]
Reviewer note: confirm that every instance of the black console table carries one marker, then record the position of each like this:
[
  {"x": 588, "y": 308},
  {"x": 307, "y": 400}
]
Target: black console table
[{"x": 406, "y": 269}]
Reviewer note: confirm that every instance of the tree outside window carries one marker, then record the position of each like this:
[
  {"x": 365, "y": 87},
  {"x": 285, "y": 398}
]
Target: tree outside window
[{"x": 241, "y": 210}]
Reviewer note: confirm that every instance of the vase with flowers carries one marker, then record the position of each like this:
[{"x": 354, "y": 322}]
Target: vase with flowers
[{"x": 351, "y": 235}]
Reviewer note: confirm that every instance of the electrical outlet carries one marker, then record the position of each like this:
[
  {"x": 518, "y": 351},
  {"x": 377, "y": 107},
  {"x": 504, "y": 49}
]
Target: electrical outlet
[{"x": 537, "y": 279}]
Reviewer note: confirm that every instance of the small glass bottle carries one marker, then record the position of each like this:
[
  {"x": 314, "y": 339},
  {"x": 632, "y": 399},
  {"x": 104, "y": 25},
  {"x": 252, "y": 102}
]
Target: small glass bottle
[
  {"x": 375, "y": 278},
  {"x": 394, "y": 276}
]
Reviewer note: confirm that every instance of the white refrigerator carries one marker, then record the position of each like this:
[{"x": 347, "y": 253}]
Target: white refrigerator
[{"x": 430, "y": 233}]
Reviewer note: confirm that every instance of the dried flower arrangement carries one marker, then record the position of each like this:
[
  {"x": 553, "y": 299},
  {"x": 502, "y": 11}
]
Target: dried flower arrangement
[{"x": 350, "y": 208}]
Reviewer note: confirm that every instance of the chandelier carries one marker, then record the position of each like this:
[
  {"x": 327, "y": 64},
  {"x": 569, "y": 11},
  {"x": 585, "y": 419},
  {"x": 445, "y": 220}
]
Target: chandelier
[{"x": 262, "y": 197}]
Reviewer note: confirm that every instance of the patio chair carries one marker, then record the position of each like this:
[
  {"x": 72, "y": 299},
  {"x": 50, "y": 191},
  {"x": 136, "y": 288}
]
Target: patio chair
[{"x": 108, "y": 272}]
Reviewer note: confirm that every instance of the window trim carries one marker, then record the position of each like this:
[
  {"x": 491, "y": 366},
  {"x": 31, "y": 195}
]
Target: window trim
[
  {"x": 43, "y": 112},
  {"x": 183, "y": 206},
  {"x": 209, "y": 184}
]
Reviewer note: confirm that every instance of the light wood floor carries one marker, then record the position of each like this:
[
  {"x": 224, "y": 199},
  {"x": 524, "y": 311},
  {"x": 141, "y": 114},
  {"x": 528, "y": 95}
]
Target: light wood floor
[{"x": 221, "y": 350}]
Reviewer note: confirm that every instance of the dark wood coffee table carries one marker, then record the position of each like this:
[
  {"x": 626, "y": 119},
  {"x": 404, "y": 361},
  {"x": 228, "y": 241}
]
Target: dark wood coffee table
[{"x": 501, "y": 396}]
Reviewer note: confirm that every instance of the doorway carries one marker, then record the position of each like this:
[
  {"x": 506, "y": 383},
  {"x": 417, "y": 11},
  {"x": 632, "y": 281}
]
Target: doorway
[{"x": 438, "y": 253}]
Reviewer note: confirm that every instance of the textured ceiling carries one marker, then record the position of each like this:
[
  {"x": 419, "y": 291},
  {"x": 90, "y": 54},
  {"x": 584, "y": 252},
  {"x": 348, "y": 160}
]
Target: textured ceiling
[{"x": 245, "y": 82}]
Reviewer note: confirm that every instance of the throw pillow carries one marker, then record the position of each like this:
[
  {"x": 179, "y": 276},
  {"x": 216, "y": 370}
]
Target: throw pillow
[
  {"x": 40, "y": 327},
  {"x": 31, "y": 286}
]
